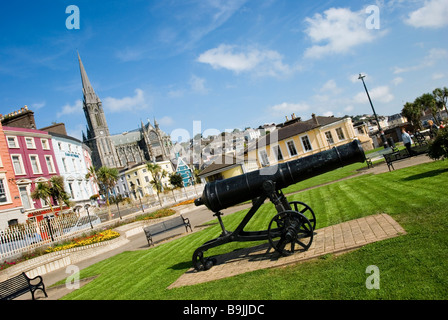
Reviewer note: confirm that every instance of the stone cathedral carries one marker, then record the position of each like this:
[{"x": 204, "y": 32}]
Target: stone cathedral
[{"x": 146, "y": 143}]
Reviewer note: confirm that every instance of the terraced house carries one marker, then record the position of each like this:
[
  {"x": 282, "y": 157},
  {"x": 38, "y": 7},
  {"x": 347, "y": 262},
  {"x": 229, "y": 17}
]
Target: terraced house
[
  {"x": 11, "y": 209},
  {"x": 296, "y": 138},
  {"x": 33, "y": 160}
]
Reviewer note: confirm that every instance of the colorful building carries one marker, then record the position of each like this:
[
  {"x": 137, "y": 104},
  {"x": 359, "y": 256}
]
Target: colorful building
[
  {"x": 71, "y": 160},
  {"x": 33, "y": 160},
  {"x": 185, "y": 172},
  {"x": 11, "y": 208},
  {"x": 296, "y": 138}
]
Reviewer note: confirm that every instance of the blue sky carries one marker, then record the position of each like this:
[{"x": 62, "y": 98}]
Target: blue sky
[{"x": 228, "y": 64}]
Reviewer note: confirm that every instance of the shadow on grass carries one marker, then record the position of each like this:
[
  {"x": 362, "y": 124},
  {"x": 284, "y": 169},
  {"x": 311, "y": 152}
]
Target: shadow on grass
[{"x": 427, "y": 174}]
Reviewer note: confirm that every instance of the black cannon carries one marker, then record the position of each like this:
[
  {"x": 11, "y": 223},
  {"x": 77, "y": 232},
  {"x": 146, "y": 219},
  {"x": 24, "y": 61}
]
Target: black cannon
[{"x": 292, "y": 228}]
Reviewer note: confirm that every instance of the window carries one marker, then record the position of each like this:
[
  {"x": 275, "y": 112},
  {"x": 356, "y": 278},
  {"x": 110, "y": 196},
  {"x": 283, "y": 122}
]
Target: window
[
  {"x": 146, "y": 178},
  {"x": 25, "y": 197},
  {"x": 60, "y": 145},
  {"x": 17, "y": 164},
  {"x": 30, "y": 143},
  {"x": 277, "y": 152},
  {"x": 70, "y": 187},
  {"x": 291, "y": 148},
  {"x": 138, "y": 181},
  {"x": 263, "y": 157},
  {"x": 3, "y": 194},
  {"x": 45, "y": 144},
  {"x": 64, "y": 165},
  {"x": 50, "y": 165},
  {"x": 12, "y": 142},
  {"x": 306, "y": 143},
  {"x": 340, "y": 134},
  {"x": 329, "y": 137},
  {"x": 35, "y": 165}
]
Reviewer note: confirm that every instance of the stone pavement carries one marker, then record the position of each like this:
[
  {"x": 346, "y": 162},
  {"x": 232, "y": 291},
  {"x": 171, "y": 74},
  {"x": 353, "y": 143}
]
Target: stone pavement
[{"x": 338, "y": 238}]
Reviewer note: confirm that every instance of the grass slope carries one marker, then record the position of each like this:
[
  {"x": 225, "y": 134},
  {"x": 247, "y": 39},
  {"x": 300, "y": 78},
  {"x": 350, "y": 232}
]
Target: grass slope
[{"x": 412, "y": 266}]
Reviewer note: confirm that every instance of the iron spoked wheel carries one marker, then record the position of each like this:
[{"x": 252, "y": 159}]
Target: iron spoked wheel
[
  {"x": 289, "y": 232},
  {"x": 304, "y": 209},
  {"x": 202, "y": 264}
]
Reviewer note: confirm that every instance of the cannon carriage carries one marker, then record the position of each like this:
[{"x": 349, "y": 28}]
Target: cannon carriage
[{"x": 292, "y": 228}]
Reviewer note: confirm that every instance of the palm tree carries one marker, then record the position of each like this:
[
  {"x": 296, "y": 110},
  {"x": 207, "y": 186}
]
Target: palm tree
[
  {"x": 43, "y": 191},
  {"x": 58, "y": 191},
  {"x": 158, "y": 174},
  {"x": 107, "y": 178}
]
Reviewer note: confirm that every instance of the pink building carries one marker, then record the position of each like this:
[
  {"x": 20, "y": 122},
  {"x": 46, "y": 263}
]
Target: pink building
[
  {"x": 33, "y": 160},
  {"x": 11, "y": 209}
]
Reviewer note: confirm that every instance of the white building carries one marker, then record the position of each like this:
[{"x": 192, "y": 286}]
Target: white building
[{"x": 70, "y": 157}]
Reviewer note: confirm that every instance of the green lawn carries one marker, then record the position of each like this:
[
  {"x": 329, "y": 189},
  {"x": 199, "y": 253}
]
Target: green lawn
[{"x": 411, "y": 266}]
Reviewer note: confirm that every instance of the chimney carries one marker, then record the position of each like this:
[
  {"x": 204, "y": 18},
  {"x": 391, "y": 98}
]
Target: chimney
[
  {"x": 286, "y": 118},
  {"x": 293, "y": 116},
  {"x": 315, "y": 119}
]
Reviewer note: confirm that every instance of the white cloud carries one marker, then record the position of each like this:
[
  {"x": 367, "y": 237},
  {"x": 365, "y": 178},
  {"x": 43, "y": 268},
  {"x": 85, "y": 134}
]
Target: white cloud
[
  {"x": 339, "y": 29},
  {"x": 287, "y": 107},
  {"x": 165, "y": 121},
  {"x": 437, "y": 76},
  {"x": 433, "y": 56},
  {"x": 397, "y": 81},
  {"x": 261, "y": 62},
  {"x": 381, "y": 94},
  {"x": 433, "y": 14},
  {"x": 330, "y": 86},
  {"x": 69, "y": 109},
  {"x": 197, "y": 84},
  {"x": 137, "y": 102},
  {"x": 38, "y": 105}
]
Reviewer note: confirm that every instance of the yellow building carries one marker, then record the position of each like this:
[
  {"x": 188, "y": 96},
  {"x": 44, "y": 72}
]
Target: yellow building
[
  {"x": 296, "y": 138},
  {"x": 227, "y": 166},
  {"x": 140, "y": 177}
]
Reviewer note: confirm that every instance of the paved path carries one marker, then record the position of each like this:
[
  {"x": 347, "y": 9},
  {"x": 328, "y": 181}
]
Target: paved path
[{"x": 197, "y": 217}]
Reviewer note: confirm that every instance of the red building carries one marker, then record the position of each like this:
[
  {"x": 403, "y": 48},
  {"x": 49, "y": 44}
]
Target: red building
[
  {"x": 11, "y": 209},
  {"x": 33, "y": 160}
]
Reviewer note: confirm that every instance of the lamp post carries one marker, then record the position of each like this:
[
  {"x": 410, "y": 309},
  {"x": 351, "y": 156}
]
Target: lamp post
[
  {"x": 362, "y": 76},
  {"x": 87, "y": 206}
]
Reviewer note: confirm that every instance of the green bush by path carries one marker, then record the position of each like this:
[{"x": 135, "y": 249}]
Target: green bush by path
[{"x": 412, "y": 266}]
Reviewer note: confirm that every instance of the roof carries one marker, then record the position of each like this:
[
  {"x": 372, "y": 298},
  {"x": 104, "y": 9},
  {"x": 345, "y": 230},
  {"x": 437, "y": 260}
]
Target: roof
[
  {"x": 126, "y": 137},
  {"x": 222, "y": 162},
  {"x": 293, "y": 128}
]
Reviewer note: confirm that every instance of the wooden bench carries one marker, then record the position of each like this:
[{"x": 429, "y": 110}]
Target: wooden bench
[
  {"x": 163, "y": 226},
  {"x": 18, "y": 285}
]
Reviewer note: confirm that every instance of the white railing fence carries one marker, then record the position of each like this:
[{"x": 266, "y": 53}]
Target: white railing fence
[{"x": 26, "y": 237}]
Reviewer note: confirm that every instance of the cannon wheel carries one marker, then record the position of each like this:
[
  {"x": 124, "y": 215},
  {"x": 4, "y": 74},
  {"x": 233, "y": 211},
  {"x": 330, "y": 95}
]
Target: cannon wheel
[
  {"x": 202, "y": 264},
  {"x": 304, "y": 209},
  {"x": 294, "y": 231}
]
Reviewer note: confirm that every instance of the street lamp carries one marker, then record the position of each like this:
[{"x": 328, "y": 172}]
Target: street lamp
[
  {"x": 362, "y": 76},
  {"x": 87, "y": 206}
]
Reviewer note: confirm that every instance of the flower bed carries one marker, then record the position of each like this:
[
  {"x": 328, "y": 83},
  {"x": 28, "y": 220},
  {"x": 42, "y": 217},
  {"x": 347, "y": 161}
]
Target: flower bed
[{"x": 98, "y": 237}]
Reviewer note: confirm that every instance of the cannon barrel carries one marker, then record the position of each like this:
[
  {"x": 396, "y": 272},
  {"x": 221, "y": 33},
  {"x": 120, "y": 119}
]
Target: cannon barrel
[{"x": 221, "y": 194}]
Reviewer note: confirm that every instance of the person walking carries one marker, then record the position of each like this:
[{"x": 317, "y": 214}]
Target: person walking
[{"x": 407, "y": 141}]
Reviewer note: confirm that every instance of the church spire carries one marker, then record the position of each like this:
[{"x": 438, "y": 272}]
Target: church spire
[{"x": 87, "y": 89}]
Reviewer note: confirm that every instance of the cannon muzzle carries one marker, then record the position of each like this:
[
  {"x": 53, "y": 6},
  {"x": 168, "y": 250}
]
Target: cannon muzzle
[{"x": 221, "y": 194}]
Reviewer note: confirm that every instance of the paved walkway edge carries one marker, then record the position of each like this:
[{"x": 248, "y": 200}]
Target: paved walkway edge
[{"x": 334, "y": 239}]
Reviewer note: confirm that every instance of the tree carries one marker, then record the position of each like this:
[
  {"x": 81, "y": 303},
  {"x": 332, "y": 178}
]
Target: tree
[
  {"x": 412, "y": 112},
  {"x": 157, "y": 174},
  {"x": 42, "y": 191},
  {"x": 427, "y": 101},
  {"x": 438, "y": 148},
  {"x": 176, "y": 180},
  {"x": 58, "y": 191},
  {"x": 441, "y": 96},
  {"x": 107, "y": 178}
]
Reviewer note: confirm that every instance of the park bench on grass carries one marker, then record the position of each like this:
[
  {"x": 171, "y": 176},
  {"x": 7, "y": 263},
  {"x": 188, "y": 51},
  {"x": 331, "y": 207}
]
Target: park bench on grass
[
  {"x": 397, "y": 155},
  {"x": 18, "y": 285},
  {"x": 163, "y": 226}
]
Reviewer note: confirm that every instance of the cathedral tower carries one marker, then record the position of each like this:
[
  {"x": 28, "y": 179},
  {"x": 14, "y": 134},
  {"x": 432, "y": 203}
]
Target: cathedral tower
[{"x": 98, "y": 136}]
